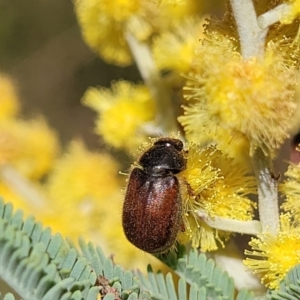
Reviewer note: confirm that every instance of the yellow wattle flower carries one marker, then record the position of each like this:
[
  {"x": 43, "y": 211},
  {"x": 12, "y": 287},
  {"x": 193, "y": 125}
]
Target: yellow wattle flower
[
  {"x": 123, "y": 110},
  {"x": 175, "y": 49},
  {"x": 9, "y": 195},
  {"x": 102, "y": 26},
  {"x": 217, "y": 185},
  {"x": 201, "y": 235},
  {"x": 74, "y": 170},
  {"x": 104, "y": 23},
  {"x": 9, "y": 102},
  {"x": 240, "y": 95},
  {"x": 30, "y": 146},
  {"x": 290, "y": 188},
  {"x": 274, "y": 255}
]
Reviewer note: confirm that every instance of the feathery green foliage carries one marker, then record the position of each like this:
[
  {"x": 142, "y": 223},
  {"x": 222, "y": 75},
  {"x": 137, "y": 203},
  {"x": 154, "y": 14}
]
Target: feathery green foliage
[
  {"x": 39, "y": 265},
  {"x": 8, "y": 296},
  {"x": 197, "y": 270},
  {"x": 289, "y": 288}
]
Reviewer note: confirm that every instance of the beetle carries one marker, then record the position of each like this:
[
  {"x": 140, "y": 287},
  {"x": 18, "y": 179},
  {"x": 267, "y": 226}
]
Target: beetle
[{"x": 152, "y": 210}]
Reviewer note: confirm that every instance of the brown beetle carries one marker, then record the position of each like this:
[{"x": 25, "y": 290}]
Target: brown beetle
[{"x": 152, "y": 210}]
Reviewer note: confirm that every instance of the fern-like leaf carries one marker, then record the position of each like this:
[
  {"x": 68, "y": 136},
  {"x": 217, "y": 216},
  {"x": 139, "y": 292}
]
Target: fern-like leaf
[
  {"x": 38, "y": 265},
  {"x": 289, "y": 287},
  {"x": 42, "y": 266},
  {"x": 201, "y": 272},
  {"x": 8, "y": 296}
]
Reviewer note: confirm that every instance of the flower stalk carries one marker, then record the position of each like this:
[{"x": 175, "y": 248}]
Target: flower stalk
[
  {"x": 267, "y": 192},
  {"x": 252, "y": 37},
  {"x": 273, "y": 16},
  {"x": 252, "y": 40},
  {"x": 152, "y": 78},
  {"x": 252, "y": 227},
  {"x": 22, "y": 186}
]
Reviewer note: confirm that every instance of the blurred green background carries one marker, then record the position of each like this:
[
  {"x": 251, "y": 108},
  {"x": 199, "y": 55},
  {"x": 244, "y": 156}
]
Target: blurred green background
[{"x": 42, "y": 49}]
